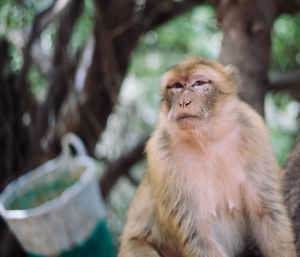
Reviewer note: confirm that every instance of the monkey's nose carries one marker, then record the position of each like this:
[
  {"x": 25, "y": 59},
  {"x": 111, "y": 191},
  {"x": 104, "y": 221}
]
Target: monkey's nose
[{"x": 185, "y": 103}]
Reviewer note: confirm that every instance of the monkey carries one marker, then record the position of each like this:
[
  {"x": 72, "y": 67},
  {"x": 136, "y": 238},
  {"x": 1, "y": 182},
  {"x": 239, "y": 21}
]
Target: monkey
[{"x": 212, "y": 179}]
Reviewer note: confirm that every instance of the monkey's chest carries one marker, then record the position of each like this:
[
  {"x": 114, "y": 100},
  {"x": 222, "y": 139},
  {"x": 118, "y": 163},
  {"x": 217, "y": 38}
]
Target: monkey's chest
[
  {"x": 215, "y": 198},
  {"x": 214, "y": 184}
]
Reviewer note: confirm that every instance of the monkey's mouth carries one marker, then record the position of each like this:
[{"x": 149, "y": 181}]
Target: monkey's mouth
[{"x": 183, "y": 117}]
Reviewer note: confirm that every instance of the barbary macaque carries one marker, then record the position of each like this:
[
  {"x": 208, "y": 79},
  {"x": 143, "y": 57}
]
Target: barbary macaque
[{"x": 212, "y": 180}]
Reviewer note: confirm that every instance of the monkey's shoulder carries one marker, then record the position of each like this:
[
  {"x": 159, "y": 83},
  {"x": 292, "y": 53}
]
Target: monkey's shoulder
[
  {"x": 253, "y": 127},
  {"x": 255, "y": 142},
  {"x": 248, "y": 117}
]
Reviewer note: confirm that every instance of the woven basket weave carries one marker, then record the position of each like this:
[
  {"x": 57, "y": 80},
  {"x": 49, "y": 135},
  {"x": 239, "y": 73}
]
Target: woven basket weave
[{"x": 57, "y": 206}]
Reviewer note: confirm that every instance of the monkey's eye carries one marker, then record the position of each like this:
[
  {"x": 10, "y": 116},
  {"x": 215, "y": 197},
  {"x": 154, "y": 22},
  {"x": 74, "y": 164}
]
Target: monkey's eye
[
  {"x": 177, "y": 85},
  {"x": 199, "y": 83}
]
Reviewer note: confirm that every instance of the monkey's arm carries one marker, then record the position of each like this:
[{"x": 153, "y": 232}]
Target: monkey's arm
[
  {"x": 140, "y": 237},
  {"x": 269, "y": 221}
]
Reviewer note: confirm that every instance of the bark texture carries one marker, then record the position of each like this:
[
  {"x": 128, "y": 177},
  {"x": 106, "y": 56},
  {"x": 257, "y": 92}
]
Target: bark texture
[
  {"x": 86, "y": 112},
  {"x": 246, "y": 44}
]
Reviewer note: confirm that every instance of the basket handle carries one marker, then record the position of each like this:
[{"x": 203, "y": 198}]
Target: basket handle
[{"x": 71, "y": 139}]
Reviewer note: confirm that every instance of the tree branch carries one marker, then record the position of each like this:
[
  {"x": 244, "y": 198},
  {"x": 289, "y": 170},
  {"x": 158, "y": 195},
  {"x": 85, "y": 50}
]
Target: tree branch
[
  {"x": 290, "y": 7},
  {"x": 42, "y": 60},
  {"x": 121, "y": 166},
  {"x": 152, "y": 15},
  {"x": 100, "y": 91},
  {"x": 86, "y": 115},
  {"x": 283, "y": 81},
  {"x": 133, "y": 181},
  {"x": 56, "y": 9},
  {"x": 40, "y": 22},
  {"x": 163, "y": 11},
  {"x": 62, "y": 70},
  {"x": 62, "y": 78},
  {"x": 3, "y": 55},
  {"x": 286, "y": 81}
]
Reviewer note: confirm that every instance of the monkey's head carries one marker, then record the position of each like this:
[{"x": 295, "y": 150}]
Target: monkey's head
[{"x": 192, "y": 89}]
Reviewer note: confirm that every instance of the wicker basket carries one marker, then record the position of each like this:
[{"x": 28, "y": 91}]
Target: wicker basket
[{"x": 56, "y": 209}]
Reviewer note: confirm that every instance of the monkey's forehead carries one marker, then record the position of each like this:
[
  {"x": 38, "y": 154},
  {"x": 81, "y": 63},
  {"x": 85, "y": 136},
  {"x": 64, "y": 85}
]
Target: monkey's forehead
[{"x": 185, "y": 72}]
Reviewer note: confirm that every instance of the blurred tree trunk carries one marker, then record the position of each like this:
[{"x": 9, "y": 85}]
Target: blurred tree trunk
[{"x": 246, "y": 44}]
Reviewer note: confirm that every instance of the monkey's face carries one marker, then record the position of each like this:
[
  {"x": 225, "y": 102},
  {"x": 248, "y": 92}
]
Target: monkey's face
[{"x": 191, "y": 89}]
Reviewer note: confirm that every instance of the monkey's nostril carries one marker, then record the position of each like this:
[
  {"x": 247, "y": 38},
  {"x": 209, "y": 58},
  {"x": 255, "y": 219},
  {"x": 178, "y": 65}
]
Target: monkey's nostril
[
  {"x": 184, "y": 103},
  {"x": 187, "y": 103}
]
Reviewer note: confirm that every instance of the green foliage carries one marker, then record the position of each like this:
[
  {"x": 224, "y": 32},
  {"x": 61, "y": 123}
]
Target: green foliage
[
  {"x": 281, "y": 110},
  {"x": 194, "y": 33},
  {"x": 286, "y": 43},
  {"x": 37, "y": 80},
  {"x": 83, "y": 27},
  {"x": 283, "y": 143},
  {"x": 15, "y": 62},
  {"x": 16, "y": 19},
  {"x": 281, "y": 116},
  {"x": 15, "y": 15},
  {"x": 47, "y": 38}
]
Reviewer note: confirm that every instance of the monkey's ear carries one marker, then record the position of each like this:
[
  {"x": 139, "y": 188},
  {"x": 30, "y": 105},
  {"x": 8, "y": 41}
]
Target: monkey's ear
[
  {"x": 233, "y": 71},
  {"x": 233, "y": 74}
]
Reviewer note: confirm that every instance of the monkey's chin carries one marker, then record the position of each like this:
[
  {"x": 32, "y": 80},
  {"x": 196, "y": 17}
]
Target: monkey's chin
[{"x": 188, "y": 121}]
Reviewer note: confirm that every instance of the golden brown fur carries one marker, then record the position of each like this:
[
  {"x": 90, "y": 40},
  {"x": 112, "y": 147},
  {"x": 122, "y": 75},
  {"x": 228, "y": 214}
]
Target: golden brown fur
[{"x": 212, "y": 180}]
